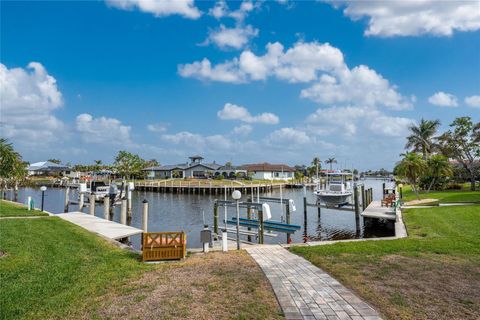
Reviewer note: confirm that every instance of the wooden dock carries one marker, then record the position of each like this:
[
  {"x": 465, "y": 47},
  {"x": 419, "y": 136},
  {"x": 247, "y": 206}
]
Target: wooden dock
[
  {"x": 106, "y": 228},
  {"x": 376, "y": 211},
  {"x": 204, "y": 187}
]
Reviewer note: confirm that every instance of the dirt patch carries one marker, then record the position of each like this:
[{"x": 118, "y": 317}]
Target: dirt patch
[
  {"x": 426, "y": 287},
  {"x": 213, "y": 286},
  {"x": 422, "y": 202}
]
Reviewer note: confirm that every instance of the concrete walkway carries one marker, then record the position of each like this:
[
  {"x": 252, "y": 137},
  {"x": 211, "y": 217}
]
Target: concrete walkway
[
  {"x": 305, "y": 291},
  {"x": 106, "y": 228}
]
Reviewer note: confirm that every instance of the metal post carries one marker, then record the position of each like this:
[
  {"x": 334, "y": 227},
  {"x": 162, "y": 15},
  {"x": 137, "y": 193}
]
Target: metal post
[
  {"x": 249, "y": 216},
  {"x": 123, "y": 212},
  {"x": 43, "y": 198},
  {"x": 238, "y": 225},
  {"x": 383, "y": 189},
  {"x": 145, "y": 215},
  {"x": 67, "y": 199},
  {"x": 287, "y": 216},
  {"x": 401, "y": 192},
  {"x": 215, "y": 218},
  {"x": 106, "y": 207},
  {"x": 91, "y": 208}
]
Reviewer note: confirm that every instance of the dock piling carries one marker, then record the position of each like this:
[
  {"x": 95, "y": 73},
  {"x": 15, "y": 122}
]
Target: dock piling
[
  {"x": 80, "y": 202},
  {"x": 145, "y": 215},
  {"x": 123, "y": 212},
  {"x": 67, "y": 199},
  {"x": 106, "y": 207},
  {"x": 91, "y": 208}
]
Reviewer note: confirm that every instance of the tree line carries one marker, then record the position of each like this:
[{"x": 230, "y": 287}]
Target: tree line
[{"x": 434, "y": 161}]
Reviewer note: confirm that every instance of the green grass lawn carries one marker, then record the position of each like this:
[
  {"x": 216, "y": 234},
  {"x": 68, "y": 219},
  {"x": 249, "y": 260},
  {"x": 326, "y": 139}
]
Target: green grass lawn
[
  {"x": 52, "y": 269},
  {"x": 432, "y": 274},
  {"x": 447, "y": 196},
  {"x": 8, "y": 209}
]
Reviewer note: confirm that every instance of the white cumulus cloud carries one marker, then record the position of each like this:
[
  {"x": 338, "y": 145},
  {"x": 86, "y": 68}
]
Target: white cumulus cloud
[
  {"x": 29, "y": 98},
  {"x": 159, "y": 8},
  {"x": 198, "y": 142},
  {"x": 360, "y": 86},
  {"x": 236, "y": 37},
  {"x": 102, "y": 130},
  {"x": 473, "y": 101},
  {"x": 232, "y": 111},
  {"x": 288, "y": 136},
  {"x": 313, "y": 62},
  {"x": 443, "y": 99},
  {"x": 243, "y": 130},
  {"x": 413, "y": 17},
  {"x": 221, "y": 10},
  {"x": 157, "y": 127}
]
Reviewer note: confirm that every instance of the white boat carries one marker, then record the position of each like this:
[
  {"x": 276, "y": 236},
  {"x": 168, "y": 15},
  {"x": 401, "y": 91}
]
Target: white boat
[{"x": 338, "y": 190}]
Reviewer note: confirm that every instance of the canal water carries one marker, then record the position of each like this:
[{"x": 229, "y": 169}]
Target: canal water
[{"x": 189, "y": 212}]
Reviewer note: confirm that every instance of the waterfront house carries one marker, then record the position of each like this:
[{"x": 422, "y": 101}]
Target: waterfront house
[
  {"x": 267, "y": 171},
  {"x": 195, "y": 168},
  {"x": 47, "y": 168}
]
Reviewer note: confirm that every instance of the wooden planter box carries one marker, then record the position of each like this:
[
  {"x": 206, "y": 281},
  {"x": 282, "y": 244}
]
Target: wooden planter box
[{"x": 163, "y": 246}]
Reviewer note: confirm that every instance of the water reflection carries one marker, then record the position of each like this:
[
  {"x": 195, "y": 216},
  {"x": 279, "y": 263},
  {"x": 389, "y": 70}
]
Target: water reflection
[{"x": 174, "y": 212}]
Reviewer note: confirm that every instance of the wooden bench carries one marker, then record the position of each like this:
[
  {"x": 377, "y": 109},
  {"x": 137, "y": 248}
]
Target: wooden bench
[
  {"x": 388, "y": 201},
  {"x": 163, "y": 246}
]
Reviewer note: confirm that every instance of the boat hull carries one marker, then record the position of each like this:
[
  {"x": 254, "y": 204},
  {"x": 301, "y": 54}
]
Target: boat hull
[{"x": 331, "y": 199}]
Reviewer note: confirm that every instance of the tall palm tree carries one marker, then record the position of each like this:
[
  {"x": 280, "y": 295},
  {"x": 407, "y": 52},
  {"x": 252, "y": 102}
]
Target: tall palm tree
[
  {"x": 412, "y": 167},
  {"x": 438, "y": 166},
  {"x": 316, "y": 162},
  {"x": 421, "y": 137},
  {"x": 331, "y": 161}
]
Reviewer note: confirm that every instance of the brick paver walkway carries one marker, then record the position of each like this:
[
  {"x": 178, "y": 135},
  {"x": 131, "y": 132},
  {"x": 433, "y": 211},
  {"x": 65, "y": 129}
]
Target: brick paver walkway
[{"x": 306, "y": 292}]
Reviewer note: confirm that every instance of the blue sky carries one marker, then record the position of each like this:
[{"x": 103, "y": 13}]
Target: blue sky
[{"x": 241, "y": 81}]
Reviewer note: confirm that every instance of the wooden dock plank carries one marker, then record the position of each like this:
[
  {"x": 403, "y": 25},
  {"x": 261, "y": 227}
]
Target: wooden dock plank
[
  {"x": 375, "y": 210},
  {"x": 106, "y": 228}
]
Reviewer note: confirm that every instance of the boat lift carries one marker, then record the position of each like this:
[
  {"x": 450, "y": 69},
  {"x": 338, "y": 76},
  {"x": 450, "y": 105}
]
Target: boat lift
[{"x": 260, "y": 224}]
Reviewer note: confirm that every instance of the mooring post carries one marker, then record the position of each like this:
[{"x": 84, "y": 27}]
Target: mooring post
[
  {"x": 305, "y": 205},
  {"x": 67, "y": 199},
  {"x": 215, "y": 218},
  {"x": 260, "y": 229},
  {"x": 355, "y": 200},
  {"x": 129, "y": 200},
  {"x": 145, "y": 215},
  {"x": 249, "y": 216},
  {"x": 106, "y": 207},
  {"x": 363, "y": 197},
  {"x": 287, "y": 216},
  {"x": 123, "y": 212},
  {"x": 80, "y": 202},
  {"x": 383, "y": 189},
  {"x": 91, "y": 208}
]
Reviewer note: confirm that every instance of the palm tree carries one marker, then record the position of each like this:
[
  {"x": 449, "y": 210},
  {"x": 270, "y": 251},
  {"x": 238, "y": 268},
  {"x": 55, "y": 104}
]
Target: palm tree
[
  {"x": 438, "y": 166},
  {"x": 316, "y": 162},
  {"x": 12, "y": 168},
  {"x": 331, "y": 161},
  {"x": 421, "y": 137},
  {"x": 412, "y": 167}
]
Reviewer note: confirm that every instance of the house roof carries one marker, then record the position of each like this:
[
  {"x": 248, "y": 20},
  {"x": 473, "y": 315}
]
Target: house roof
[
  {"x": 268, "y": 167},
  {"x": 183, "y": 166},
  {"x": 47, "y": 166}
]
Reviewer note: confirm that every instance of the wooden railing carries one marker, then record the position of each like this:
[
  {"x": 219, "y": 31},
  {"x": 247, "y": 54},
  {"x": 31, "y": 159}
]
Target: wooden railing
[{"x": 163, "y": 246}]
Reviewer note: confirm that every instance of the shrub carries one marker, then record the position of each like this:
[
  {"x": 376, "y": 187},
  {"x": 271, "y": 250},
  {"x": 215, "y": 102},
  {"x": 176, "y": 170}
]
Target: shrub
[{"x": 454, "y": 186}]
